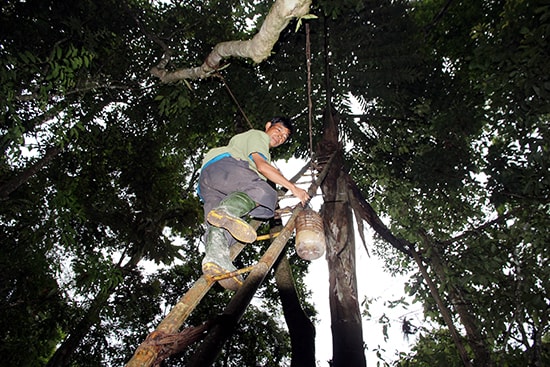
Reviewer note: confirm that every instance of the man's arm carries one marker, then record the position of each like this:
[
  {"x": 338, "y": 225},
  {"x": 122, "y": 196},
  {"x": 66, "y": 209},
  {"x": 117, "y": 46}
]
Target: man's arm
[{"x": 275, "y": 176}]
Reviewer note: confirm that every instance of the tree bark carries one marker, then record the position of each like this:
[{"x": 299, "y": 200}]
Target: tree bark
[{"x": 366, "y": 212}]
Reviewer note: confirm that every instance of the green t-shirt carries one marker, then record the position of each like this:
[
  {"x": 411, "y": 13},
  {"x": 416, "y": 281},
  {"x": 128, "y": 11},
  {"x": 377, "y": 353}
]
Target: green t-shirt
[{"x": 241, "y": 146}]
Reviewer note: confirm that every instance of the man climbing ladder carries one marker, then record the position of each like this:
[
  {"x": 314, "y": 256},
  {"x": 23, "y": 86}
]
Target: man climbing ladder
[{"x": 233, "y": 184}]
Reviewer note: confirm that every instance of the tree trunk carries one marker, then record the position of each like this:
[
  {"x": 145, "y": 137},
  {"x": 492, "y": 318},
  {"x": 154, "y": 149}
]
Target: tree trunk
[
  {"x": 300, "y": 327},
  {"x": 476, "y": 340},
  {"x": 364, "y": 210},
  {"x": 63, "y": 354},
  {"x": 347, "y": 332}
]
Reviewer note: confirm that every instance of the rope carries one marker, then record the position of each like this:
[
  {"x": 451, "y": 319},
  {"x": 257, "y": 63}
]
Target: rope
[
  {"x": 234, "y": 99},
  {"x": 170, "y": 344},
  {"x": 309, "y": 103}
]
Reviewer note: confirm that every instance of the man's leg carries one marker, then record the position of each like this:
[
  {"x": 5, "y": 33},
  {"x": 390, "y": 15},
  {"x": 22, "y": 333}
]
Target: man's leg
[
  {"x": 231, "y": 181},
  {"x": 228, "y": 215},
  {"x": 217, "y": 260},
  {"x": 217, "y": 182}
]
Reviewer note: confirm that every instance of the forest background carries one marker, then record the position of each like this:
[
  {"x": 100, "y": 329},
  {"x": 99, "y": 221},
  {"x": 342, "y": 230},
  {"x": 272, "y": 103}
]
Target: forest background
[{"x": 100, "y": 155}]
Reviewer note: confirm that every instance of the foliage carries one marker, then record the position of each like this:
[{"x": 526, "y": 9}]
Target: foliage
[
  {"x": 451, "y": 147},
  {"x": 437, "y": 348},
  {"x": 99, "y": 161}
]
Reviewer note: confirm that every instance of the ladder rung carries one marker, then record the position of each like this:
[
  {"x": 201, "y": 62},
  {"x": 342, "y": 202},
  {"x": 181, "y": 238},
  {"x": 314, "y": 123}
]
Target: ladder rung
[
  {"x": 268, "y": 236},
  {"x": 231, "y": 274}
]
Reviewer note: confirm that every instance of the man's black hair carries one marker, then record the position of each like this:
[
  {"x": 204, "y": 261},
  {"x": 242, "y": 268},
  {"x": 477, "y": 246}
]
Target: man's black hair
[{"x": 285, "y": 121}]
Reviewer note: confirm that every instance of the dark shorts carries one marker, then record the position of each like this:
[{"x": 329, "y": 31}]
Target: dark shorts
[{"x": 228, "y": 175}]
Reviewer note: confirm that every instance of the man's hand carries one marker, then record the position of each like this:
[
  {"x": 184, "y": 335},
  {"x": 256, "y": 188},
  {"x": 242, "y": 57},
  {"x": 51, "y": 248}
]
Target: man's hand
[{"x": 300, "y": 194}]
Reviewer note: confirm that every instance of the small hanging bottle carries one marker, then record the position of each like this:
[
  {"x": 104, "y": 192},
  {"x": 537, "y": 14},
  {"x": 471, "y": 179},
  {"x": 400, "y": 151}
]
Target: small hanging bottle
[{"x": 310, "y": 235}]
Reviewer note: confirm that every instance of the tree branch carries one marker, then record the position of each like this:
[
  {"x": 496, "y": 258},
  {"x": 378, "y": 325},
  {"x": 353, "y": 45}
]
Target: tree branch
[
  {"x": 367, "y": 213},
  {"x": 438, "y": 16},
  {"x": 15, "y": 182},
  {"x": 477, "y": 230},
  {"x": 258, "y": 48}
]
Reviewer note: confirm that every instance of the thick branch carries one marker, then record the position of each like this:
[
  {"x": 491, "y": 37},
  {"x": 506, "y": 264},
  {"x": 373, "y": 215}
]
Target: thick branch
[
  {"x": 14, "y": 183},
  {"x": 258, "y": 48},
  {"x": 445, "y": 312},
  {"x": 368, "y": 214}
]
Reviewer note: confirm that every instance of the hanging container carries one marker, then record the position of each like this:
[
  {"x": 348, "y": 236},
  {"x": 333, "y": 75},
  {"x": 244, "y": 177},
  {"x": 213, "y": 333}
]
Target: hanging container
[{"x": 310, "y": 235}]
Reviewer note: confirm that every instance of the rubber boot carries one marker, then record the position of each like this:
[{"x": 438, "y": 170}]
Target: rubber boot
[
  {"x": 228, "y": 215},
  {"x": 217, "y": 260}
]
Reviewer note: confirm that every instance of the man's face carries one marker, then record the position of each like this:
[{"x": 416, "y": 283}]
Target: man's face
[{"x": 278, "y": 134}]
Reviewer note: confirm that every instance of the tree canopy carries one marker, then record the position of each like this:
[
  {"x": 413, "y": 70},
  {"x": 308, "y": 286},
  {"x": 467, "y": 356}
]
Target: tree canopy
[{"x": 100, "y": 159}]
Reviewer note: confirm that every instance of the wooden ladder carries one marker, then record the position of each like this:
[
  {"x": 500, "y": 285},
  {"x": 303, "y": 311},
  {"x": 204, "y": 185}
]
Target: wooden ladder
[{"x": 148, "y": 351}]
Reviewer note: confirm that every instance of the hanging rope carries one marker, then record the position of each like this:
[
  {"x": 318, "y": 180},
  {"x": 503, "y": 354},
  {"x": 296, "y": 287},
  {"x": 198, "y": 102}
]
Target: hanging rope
[
  {"x": 309, "y": 103},
  {"x": 234, "y": 99}
]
